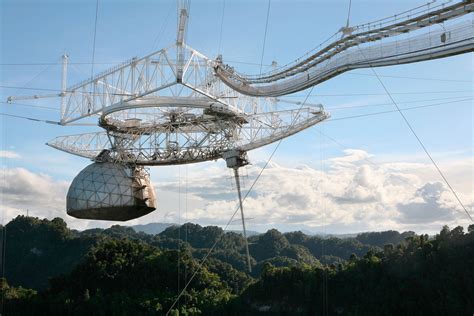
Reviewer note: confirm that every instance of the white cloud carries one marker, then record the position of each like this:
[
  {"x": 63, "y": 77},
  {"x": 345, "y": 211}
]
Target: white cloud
[
  {"x": 349, "y": 194},
  {"x": 9, "y": 154},
  {"x": 22, "y": 189},
  {"x": 431, "y": 202},
  {"x": 42, "y": 196}
]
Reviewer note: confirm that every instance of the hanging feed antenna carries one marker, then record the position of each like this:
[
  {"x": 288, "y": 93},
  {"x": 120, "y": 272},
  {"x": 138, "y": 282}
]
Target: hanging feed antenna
[{"x": 236, "y": 159}]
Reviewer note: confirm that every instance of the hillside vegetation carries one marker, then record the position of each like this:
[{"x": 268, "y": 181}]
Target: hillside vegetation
[{"x": 53, "y": 270}]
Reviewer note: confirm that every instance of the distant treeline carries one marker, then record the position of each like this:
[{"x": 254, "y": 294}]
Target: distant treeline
[{"x": 52, "y": 270}]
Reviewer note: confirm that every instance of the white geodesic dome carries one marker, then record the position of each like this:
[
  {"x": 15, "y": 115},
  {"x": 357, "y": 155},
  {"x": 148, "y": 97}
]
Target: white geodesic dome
[{"x": 108, "y": 191}]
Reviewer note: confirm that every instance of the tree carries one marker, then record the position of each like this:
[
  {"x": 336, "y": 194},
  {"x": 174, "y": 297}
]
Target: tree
[
  {"x": 388, "y": 249},
  {"x": 470, "y": 229},
  {"x": 268, "y": 245}
]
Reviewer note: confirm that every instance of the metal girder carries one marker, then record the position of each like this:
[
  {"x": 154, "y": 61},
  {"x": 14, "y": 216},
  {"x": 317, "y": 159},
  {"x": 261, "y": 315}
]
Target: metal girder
[{"x": 154, "y": 75}]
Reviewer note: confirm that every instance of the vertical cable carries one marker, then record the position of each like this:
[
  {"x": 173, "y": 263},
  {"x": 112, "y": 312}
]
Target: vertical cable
[
  {"x": 325, "y": 222},
  {"x": 4, "y": 252},
  {"x": 95, "y": 35},
  {"x": 322, "y": 208},
  {"x": 265, "y": 36},
  {"x": 179, "y": 228},
  {"x": 159, "y": 36},
  {"x": 222, "y": 24},
  {"x": 349, "y": 13},
  {"x": 323, "y": 244},
  {"x": 3, "y": 137},
  {"x": 93, "y": 54},
  {"x": 4, "y": 226},
  {"x": 186, "y": 227}
]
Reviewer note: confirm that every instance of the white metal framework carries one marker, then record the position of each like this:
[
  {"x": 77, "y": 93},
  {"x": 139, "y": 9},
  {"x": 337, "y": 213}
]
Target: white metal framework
[
  {"x": 177, "y": 106},
  {"x": 154, "y": 112}
]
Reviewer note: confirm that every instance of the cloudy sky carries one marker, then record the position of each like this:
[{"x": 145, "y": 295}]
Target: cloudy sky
[{"x": 346, "y": 175}]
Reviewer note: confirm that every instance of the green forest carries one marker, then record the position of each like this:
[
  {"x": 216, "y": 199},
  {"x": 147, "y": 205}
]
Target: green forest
[{"x": 50, "y": 269}]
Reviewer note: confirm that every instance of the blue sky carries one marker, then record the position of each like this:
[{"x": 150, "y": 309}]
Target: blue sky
[{"x": 41, "y": 31}]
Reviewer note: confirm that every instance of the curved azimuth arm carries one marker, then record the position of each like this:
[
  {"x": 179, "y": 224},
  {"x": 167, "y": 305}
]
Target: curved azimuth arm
[{"x": 345, "y": 54}]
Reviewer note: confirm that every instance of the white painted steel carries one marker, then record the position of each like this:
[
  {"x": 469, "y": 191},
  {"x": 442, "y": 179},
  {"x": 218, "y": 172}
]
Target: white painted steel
[{"x": 177, "y": 106}]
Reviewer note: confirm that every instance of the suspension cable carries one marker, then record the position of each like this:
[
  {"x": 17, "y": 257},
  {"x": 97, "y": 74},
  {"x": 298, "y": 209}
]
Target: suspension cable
[
  {"x": 418, "y": 139},
  {"x": 186, "y": 228},
  {"x": 222, "y": 25},
  {"x": 350, "y": 107},
  {"x": 179, "y": 228},
  {"x": 4, "y": 259},
  {"x": 324, "y": 295},
  {"x": 95, "y": 35},
  {"x": 31, "y": 105},
  {"x": 30, "y": 118},
  {"x": 93, "y": 53},
  {"x": 374, "y": 94},
  {"x": 393, "y": 111},
  {"x": 373, "y": 163},
  {"x": 37, "y": 76},
  {"x": 349, "y": 13},
  {"x": 326, "y": 121},
  {"x": 425, "y": 149},
  {"x": 265, "y": 35},
  {"x": 159, "y": 36}
]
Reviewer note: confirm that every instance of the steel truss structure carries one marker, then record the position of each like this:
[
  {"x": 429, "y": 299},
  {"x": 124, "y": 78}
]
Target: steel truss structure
[
  {"x": 154, "y": 114},
  {"x": 176, "y": 106}
]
